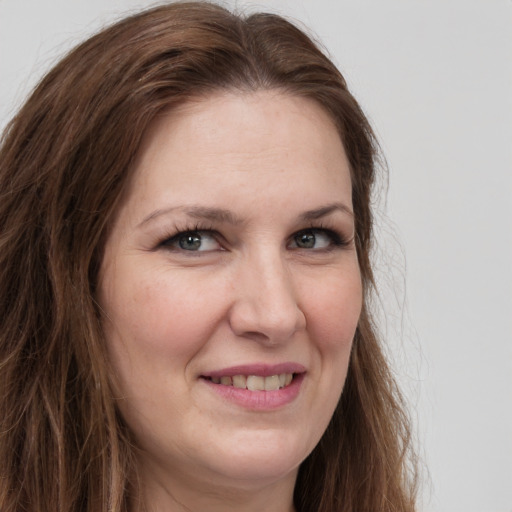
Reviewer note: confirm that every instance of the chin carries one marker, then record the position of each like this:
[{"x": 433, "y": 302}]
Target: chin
[{"x": 264, "y": 456}]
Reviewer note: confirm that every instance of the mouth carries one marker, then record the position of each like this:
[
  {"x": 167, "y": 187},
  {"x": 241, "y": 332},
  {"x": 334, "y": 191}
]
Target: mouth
[
  {"x": 255, "y": 382},
  {"x": 257, "y": 387}
]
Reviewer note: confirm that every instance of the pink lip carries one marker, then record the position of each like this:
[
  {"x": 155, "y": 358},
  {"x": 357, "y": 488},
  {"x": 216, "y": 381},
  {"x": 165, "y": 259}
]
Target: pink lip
[
  {"x": 258, "y": 400},
  {"x": 264, "y": 370}
]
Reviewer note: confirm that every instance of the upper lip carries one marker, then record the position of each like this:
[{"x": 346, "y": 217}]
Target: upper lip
[{"x": 261, "y": 369}]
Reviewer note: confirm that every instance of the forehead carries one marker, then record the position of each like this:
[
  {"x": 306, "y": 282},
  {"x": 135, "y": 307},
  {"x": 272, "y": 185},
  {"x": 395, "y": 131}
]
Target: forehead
[{"x": 262, "y": 140}]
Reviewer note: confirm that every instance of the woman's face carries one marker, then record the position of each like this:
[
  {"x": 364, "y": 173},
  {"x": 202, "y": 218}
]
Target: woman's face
[{"x": 231, "y": 267}]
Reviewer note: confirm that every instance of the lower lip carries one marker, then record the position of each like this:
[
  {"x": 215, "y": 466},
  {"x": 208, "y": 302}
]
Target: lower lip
[{"x": 259, "y": 400}]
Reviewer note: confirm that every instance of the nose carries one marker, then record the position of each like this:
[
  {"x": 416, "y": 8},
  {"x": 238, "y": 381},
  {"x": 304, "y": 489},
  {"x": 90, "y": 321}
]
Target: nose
[{"x": 266, "y": 306}]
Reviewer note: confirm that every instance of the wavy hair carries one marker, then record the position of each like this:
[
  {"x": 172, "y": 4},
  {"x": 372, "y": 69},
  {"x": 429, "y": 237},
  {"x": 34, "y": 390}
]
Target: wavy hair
[{"x": 65, "y": 161}]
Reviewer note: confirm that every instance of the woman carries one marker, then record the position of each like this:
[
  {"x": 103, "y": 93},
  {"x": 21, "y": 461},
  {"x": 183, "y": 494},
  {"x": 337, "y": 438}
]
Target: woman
[{"x": 186, "y": 228}]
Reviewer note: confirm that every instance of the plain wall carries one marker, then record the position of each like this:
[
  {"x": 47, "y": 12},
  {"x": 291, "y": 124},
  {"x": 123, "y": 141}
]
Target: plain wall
[{"x": 435, "y": 78}]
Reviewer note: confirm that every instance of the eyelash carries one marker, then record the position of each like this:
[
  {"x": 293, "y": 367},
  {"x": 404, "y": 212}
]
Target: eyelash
[
  {"x": 178, "y": 231},
  {"x": 337, "y": 239}
]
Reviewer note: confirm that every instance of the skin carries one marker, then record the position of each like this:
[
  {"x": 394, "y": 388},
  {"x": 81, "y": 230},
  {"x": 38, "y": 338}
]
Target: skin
[{"x": 253, "y": 293}]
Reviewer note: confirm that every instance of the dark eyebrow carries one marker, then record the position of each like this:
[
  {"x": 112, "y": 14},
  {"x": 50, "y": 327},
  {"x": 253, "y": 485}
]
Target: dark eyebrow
[
  {"x": 326, "y": 210},
  {"x": 198, "y": 212}
]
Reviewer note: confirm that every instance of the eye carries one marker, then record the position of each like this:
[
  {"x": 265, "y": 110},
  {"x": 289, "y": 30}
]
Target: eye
[
  {"x": 194, "y": 241},
  {"x": 315, "y": 238}
]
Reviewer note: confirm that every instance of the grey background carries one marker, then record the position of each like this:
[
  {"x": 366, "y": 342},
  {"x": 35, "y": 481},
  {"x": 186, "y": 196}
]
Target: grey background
[{"x": 435, "y": 78}]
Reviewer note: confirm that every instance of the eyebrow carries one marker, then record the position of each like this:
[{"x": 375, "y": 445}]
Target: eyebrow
[
  {"x": 226, "y": 216},
  {"x": 197, "y": 212},
  {"x": 318, "y": 213}
]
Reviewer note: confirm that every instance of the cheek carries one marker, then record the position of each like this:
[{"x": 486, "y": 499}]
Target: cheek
[
  {"x": 159, "y": 317},
  {"x": 333, "y": 315},
  {"x": 333, "y": 312}
]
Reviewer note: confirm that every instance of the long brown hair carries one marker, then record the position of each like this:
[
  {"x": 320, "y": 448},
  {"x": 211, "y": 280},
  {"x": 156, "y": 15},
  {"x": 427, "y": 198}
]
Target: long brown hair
[{"x": 64, "y": 163}]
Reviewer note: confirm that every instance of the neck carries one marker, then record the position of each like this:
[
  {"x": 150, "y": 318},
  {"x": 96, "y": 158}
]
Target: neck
[{"x": 162, "y": 492}]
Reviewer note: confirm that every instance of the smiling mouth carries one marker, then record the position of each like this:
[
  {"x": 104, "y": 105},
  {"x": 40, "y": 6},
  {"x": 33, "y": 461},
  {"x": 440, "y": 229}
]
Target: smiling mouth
[{"x": 255, "y": 382}]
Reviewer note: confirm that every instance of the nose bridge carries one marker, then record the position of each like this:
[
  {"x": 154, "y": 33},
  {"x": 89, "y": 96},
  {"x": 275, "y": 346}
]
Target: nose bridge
[{"x": 266, "y": 304}]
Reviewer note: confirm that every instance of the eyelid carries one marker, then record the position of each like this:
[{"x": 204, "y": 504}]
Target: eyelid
[
  {"x": 170, "y": 239},
  {"x": 170, "y": 242},
  {"x": 337, "y": 238}
]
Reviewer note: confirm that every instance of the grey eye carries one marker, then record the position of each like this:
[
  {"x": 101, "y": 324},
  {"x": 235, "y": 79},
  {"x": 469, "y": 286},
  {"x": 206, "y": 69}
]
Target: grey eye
[
  {"x": 190, "y": 241},
  {"x": 305, "y": 240},
  {"x": 193, "y": 241},
  {"x": 314, "y": 239}
]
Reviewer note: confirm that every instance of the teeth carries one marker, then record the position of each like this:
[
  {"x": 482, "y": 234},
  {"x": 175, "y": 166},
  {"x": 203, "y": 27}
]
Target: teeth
[
  {"x": 272, "y": 383},
  {"x": 256, "y": 382},
  {"x": 240, "y": 381}
]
